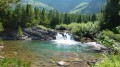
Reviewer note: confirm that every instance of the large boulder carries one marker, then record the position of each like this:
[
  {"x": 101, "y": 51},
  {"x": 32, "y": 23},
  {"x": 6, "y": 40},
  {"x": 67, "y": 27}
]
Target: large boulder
[{"x": 37, "y": 33}]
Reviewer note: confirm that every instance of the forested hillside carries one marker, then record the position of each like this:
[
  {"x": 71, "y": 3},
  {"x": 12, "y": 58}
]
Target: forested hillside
[{"x": 72, "y": 6}]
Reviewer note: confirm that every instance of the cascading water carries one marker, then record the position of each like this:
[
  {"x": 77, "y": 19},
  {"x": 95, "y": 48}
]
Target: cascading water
[{"x": 65, "y": 39}]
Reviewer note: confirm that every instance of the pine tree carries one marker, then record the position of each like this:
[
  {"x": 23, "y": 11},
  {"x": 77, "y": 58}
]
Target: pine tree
[
  {"x": 37, "y": 13},
  {"x": 7, "y": 20},
  {"x": 79, "y": 20},
  {"x": 29, "y": 18},
  {"x": 45, "y": 20},
  {"x": 66, "y": 18},
  {"x": 23, "y": 21},
  {"x": 17, "y": 16},
  {"x": 93, "y": 17},
  {"x": 111, "y": 14}
]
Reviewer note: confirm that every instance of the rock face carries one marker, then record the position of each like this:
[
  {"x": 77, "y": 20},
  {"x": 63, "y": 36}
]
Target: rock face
[
  {"x": 32, "y": 33},
  {"x": 37, "y": 33}
]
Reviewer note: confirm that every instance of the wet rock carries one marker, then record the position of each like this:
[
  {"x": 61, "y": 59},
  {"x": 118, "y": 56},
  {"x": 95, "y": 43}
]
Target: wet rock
[
  {"x": 92, "y": 62},
  {"x": 63, "y": 63},
  {"x": 95, "y": 46},
  {"x": 36, "y": 33},
  {"x": 76, "y": 38}
]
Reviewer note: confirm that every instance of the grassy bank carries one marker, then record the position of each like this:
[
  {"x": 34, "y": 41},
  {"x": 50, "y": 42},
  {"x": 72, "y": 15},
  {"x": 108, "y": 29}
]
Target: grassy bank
[{"x": 12, "y": 62}]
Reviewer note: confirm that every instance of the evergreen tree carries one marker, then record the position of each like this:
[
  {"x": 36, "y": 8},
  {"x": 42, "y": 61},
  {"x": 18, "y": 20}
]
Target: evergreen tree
[
  {"x": 79, "y": 20},
  {"x": 29, "y": 18},
  {"x": 37, "y": 13},
  {"x": 93, "y": 17},
  {"x": 17, "y": 16},
  {"x": 111, "y": 14},
  {"x": 45, "y": 20},
  {"x": 7, "y": 20},
  {"x": 66, "y": 18},
  {"x": 23, "y": 21}
]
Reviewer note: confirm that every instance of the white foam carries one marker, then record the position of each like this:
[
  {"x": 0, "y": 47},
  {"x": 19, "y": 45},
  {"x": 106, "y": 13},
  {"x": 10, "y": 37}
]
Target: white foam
[
  {"x": 64, "y": 39},
  {"x": 66, "y": 42}
]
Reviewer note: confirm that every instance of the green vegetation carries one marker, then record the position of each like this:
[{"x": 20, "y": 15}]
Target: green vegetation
[
  {"x": 9, "y": 62},
  {"x": 84, "y": 28},
  {"x": 110, "y": 61},
  {"x": 20, "y": 33},
  {"x": 43, "y": 27},
  {"x": 1, "y": 27},
  {"x": 26, "y": 16}
]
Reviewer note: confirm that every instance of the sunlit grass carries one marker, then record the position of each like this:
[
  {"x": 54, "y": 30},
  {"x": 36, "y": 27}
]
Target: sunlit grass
[
  {"x": 110, "y": 61},
  {"x": 7, "y": 62}
]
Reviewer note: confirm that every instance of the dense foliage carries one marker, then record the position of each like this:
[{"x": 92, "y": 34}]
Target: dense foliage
[
  {"x": 26, "y": 16},
  {"x": 111, "y": 14}
]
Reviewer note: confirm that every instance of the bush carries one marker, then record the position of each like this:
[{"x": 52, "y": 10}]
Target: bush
[
  {"x": 20, "y": 33},
  {"x": 84, "y": 28},
  {"x": 108, "y": 38},
  {"x": 61, "y": 27},
  {"x": 106, "y": 41},
  {"x": 111, "y": 35},
  {"x": 117, "y": 30}
]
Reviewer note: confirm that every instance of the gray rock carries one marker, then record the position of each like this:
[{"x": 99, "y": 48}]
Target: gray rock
[{"x": 63, "y": 63}]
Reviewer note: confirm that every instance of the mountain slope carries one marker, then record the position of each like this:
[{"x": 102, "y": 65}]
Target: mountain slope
[
  {"x": 79, "y": 7},
  {"x": 63, "y": 5},
  {"x": 91, "y": 7},
  {"x": 72, "y": 6},
  {"x": 37, "y": 4}
]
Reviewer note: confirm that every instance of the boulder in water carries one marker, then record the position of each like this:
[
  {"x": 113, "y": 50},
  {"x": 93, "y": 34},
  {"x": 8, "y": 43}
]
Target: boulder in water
[{"x": 63, "y": 63}]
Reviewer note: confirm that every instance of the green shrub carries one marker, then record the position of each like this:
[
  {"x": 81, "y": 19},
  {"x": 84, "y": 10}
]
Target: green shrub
[
  {"x": 1, "y": 27},
  {"x": 61, "y": 27},
  {"x": 111, "y": 35},
  {"x": 11, "y": 62},
  {"x": 106, "y": 41},
  {"x": 108, "y": 38},
  {"x": 20, "y": 33},
  {"x": 81, "y": 29},
  {"x": 117, "y": 30}
]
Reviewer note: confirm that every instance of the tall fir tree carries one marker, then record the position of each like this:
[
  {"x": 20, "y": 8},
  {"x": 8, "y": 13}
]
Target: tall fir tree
[
  {"x": 29, "y": 18},
  {"x": 37, "y": 13},
  {"x": 45, "y": 20},
  {"x": 17, "y": 16},
  {"x": 111, "y": 14}
]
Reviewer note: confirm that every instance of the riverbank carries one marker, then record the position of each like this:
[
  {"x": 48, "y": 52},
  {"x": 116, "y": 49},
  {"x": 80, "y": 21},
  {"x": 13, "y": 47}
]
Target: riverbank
[{"x": 31, "y": 33}]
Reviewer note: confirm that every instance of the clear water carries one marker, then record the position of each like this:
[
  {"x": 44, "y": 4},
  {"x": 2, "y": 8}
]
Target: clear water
[{"x": 43, "y": 53}]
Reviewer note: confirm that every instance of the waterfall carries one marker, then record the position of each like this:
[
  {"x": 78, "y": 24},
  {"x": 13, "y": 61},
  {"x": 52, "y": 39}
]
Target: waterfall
[{"x": 65, "y": 38}]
